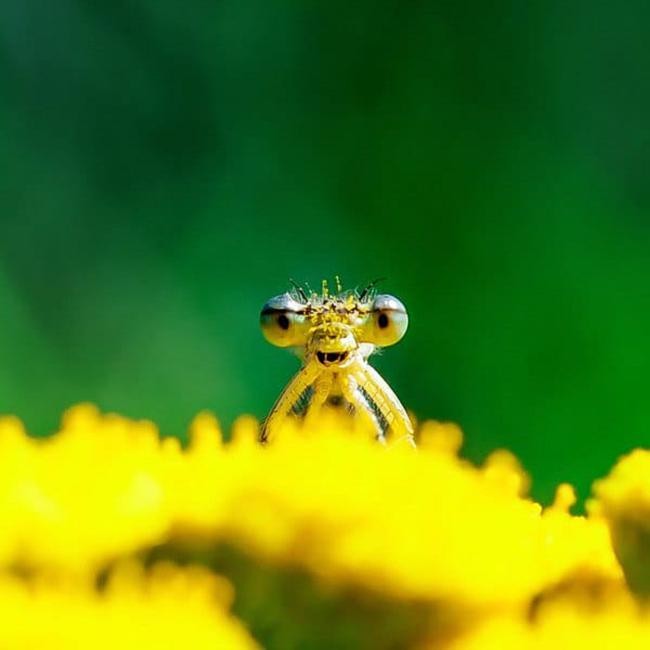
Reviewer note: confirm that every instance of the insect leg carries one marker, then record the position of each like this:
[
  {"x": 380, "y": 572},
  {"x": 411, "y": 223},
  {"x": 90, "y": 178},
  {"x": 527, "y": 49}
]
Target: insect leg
[
  {"x": 382, "y": 395},
  {"x": 322, "y": 389},
  {"x": 362, "y": 407},
  {"x": 288, "y": 398}
]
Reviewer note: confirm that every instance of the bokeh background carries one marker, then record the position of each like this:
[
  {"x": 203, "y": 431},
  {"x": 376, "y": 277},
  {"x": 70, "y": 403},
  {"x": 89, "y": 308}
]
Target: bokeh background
[{"x": 167, "y": 166}]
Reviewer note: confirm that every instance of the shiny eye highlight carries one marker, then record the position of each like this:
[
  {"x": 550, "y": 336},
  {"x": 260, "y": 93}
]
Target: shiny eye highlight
[
  {"x": 387, "y": 321},
  {"x": 283, "y": 321}
]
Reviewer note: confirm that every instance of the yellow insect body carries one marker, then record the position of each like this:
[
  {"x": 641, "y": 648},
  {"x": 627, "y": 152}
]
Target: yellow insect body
[{"x": 334, "y": 335}]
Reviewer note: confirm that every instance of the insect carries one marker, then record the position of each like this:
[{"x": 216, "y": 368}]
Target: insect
[{"x": 334, "y": 335}]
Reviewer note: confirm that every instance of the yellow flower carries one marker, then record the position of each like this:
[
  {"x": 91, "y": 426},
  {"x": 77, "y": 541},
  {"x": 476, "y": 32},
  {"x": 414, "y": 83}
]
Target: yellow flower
[
  {"x": 456, "y": 553},
  {"x": 166, "y": 607},
  {"x": 623, "y": 498},
  {"x": 614, "y": 624}
]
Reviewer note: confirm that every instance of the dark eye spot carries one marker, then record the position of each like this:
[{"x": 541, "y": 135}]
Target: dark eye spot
[
  {"x": 283, "y": 322},
  {"x": 382, "y": 321}
]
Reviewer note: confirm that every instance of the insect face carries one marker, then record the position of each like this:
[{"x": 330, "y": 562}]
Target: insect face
[
  {"x": 331, "y": 327},
  {"x": 332, "y": 343}
]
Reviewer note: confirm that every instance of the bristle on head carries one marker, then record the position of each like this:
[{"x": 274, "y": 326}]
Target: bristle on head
[
  {"x": 333, "y": 305},
  {"x": 369, "y": 291},
  {"x": 299, "y": 290}
]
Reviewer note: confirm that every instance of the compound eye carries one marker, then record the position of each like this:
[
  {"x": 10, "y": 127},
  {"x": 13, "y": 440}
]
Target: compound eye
[
  {"x": 387, "y": 322},
  {"x": 283, "y": 321}
]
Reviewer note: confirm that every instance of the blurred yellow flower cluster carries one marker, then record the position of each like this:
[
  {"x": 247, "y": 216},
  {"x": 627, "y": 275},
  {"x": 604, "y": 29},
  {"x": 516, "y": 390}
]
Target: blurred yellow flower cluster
[{"x": 113, "y": 536}]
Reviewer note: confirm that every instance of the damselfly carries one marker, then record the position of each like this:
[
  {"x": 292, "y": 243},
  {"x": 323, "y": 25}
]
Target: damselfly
[{"x": 334, "y": 334}]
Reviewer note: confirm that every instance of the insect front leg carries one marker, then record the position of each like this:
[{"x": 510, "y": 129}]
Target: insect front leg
[
  {"x": 322, "y": 389},
  {"x": 362, "y": 408},
  {"x": 288, "y": 398},
  {"x": 378, "y": 393}
]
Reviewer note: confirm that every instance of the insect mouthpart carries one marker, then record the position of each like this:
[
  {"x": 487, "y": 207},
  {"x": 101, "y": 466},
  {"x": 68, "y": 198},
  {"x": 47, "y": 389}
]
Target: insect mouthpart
[{"x": 329, "y": 358}]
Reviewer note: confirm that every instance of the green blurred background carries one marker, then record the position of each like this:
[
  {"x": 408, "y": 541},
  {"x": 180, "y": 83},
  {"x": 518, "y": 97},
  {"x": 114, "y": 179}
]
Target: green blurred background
[{"x": 167, "y": 166}]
